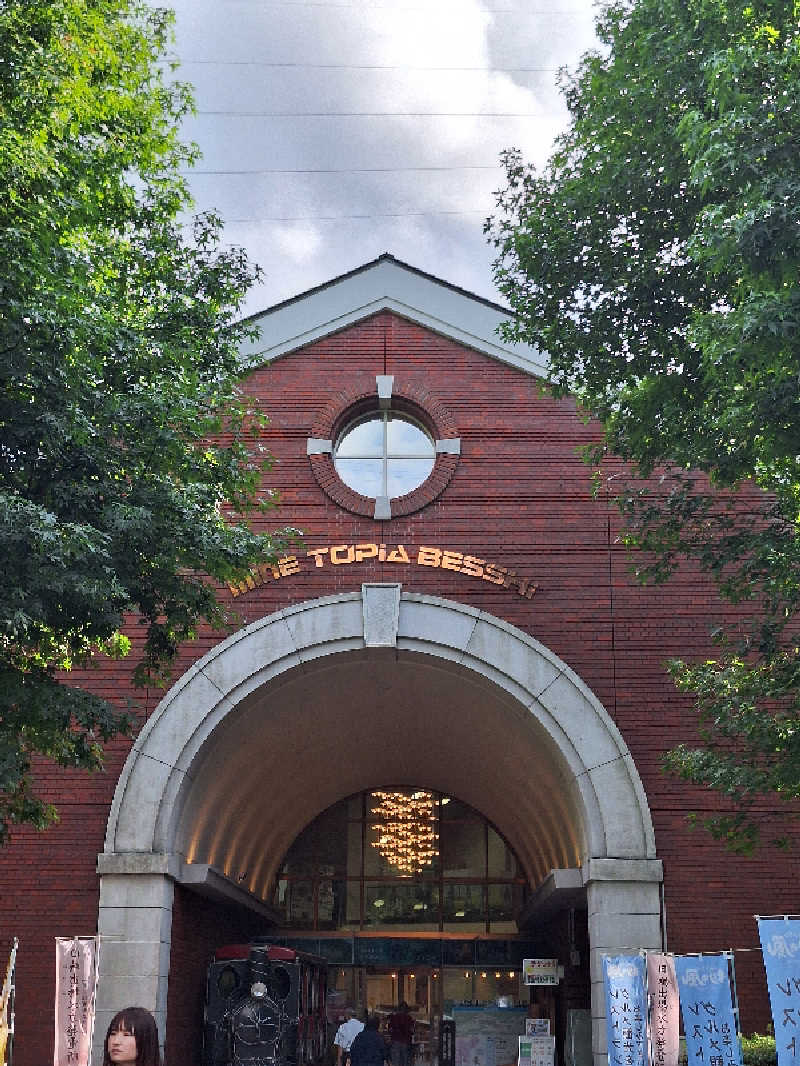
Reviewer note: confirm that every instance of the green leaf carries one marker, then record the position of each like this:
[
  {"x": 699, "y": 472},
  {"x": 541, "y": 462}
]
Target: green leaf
[
  {"x": 656, "y": 259},
  {"x": 126, "y": 434}
]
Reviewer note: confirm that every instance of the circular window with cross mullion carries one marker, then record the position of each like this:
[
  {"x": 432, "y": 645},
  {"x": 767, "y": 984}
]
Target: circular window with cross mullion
[{"x": 384, "y": 454}]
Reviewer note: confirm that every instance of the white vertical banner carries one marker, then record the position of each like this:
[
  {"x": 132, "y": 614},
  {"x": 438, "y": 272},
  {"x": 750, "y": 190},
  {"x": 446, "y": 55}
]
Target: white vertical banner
[
  {"x": 76, "y": 987},
  {"x": 662, "y": 990},
  {"x": 6, "y": 1001}
]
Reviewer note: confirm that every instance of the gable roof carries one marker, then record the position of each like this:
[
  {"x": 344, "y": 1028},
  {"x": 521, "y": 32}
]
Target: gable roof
[{"x": 387, "y": 284}]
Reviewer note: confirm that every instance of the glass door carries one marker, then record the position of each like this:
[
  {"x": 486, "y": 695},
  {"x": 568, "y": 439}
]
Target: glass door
[{"x": 385, "y": 989}]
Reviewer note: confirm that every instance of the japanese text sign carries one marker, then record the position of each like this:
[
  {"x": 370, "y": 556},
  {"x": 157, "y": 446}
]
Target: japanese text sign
[
  {"x": 662, "y": 990},
  {"x": 780, "y": 944},
  {"x": 707, "y": 1007},
  {"x": 537, "y": 1050},
  {"x": 540, "y": 971},
  {"x": 76, "y": 980},
  {"x": 626, "y": 1009}
]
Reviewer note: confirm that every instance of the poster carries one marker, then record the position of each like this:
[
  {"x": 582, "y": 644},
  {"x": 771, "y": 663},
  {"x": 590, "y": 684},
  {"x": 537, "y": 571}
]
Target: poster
[
  {"x": 488, "y": 1036},
  {"x": 537, "y": 1027},
  {"x": 474, "y": 1050},
  {"x": 662, "y": 992},
  {"x": 76, "y": 982},
  {"x": 537, "y": 1050},
  {"x": 626, "y": 1009},
  {"x": 780, "y": 943},
  {"x": 706, "y": 1001}
]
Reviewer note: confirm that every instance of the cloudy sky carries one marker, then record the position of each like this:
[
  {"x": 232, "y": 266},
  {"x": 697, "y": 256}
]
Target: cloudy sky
[{"x": 335, "y": 130}]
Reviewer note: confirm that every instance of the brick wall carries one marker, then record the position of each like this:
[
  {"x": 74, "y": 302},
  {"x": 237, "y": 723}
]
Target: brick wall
[
  {"x": 199, "y": 927},
  {"x": 519, "y": 495}
]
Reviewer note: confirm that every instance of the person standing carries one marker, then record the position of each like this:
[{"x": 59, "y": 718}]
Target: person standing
[
  {"x": 132, "y": 1039},
  {"x": 369, "y": 1047},
  {"x": 345, "y": 1035},
  {"x": 401, "y": 1033}
]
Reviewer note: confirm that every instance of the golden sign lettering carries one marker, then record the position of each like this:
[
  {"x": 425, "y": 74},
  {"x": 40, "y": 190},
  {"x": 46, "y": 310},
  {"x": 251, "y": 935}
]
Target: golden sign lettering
[{"x": 347, "y": 554}]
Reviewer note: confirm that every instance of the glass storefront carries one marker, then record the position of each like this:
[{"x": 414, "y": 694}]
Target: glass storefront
[
  {"x": 431, "y": 993},
  {"x": 409, "y": 894},
  {"x": 401, "y": 860}
]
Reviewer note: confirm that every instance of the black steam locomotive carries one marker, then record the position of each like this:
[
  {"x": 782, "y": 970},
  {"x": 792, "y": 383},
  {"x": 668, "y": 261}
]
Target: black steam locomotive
[{"x": 265, "y": 1006}]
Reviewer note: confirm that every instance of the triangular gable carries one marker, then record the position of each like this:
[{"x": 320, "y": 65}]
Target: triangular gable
[{"x": 388, "y": 284}]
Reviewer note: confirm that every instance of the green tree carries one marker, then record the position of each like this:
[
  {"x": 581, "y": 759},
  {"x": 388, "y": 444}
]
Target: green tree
[
  {"x": 127, "y": 447},
  {"x": 656, "y": 259}
]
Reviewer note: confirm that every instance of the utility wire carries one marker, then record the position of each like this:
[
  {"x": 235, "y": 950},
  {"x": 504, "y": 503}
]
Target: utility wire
[
  {"x": 343, "y": 170},
  {"x": 343, "y": 218},
  {"x": 379, "y": 114},
  {"x": 354, "y": 66},
  {"x": 444, "y": 10}
]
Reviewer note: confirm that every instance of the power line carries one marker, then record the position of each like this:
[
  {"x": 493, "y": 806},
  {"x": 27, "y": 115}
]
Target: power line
[
  {"x": 451, "y": 10},
  {"x": 346, "y": 218},
  {"x": 355, "y": 66},
  {"x": 379, "y": 114},
  {"x": 344, "y": 170}
]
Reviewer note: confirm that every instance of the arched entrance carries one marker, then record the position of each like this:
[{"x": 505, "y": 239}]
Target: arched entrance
[
  {"x": 354, "y": 692},
  {"x": 414, "y": 897}
]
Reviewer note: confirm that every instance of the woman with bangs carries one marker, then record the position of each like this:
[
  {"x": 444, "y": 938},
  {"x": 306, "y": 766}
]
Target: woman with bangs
[{"x": 132, "y": 1039}]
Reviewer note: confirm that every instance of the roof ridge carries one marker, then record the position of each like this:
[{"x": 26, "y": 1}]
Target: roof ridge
[{"x": 384, "y": 257}]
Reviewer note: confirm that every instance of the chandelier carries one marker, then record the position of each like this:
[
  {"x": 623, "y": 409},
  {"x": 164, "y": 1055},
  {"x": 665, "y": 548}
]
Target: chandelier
[{"x": 406, "y": 828}]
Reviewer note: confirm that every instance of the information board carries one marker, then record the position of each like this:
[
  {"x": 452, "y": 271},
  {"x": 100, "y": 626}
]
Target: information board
[
  {"x": 537, "y": 1050},
  {"x": 488, "y": 1036},
  {"x": 540, "y": 971}
]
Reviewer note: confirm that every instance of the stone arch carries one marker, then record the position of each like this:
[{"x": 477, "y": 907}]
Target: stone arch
[{"x": 146, "y": 842}]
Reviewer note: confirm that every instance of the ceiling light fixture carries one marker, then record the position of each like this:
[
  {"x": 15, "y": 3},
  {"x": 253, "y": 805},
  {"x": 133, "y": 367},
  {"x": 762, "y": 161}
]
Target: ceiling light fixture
[{"x": 406, "y": 826}]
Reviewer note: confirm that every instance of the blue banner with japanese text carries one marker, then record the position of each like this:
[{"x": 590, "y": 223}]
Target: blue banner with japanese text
[
  {"x": 626, "y": 1009},
  {"x": 709, "y": 1021},
  {"x": 780, "y": 944}
]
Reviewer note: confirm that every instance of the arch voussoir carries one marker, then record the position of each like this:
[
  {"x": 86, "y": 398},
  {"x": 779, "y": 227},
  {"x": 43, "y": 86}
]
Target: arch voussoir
[{"x": 590, "y": 762}]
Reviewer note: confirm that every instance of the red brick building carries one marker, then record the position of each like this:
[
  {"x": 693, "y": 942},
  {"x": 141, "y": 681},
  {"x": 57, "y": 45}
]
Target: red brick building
[{"x": 457, "y": 630}]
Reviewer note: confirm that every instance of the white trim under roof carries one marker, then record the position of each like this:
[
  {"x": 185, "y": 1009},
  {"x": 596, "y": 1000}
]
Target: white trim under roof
[{"x": 386, "y": 284}]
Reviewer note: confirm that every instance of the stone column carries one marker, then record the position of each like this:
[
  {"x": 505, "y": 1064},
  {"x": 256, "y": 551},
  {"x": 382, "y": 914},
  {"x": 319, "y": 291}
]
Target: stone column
[
  {"x": 624, "y": 902},
  {"x": 135, "y": 924}
]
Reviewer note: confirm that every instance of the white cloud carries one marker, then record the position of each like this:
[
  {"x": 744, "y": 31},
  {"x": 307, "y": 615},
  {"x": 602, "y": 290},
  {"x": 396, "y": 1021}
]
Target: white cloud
[
  {"x": 298, "y": 243},
  {"x": 366, "y": 92}
]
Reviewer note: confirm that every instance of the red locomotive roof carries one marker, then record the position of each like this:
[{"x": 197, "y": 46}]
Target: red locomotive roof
[
  {"x": 232, "y": 951},
  {"x": 275, "y": 953}
]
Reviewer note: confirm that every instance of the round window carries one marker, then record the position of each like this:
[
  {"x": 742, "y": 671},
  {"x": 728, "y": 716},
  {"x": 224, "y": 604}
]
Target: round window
[
  {"x": 384, "y": 454},
  {"x": 280, "y": 983},
  {"x": 227, "y": 982}
]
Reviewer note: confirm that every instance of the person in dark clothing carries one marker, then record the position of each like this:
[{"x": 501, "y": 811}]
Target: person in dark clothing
[
  {"x": 369, "y": 1047},
  {"x": 401, "y": 1031}
]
